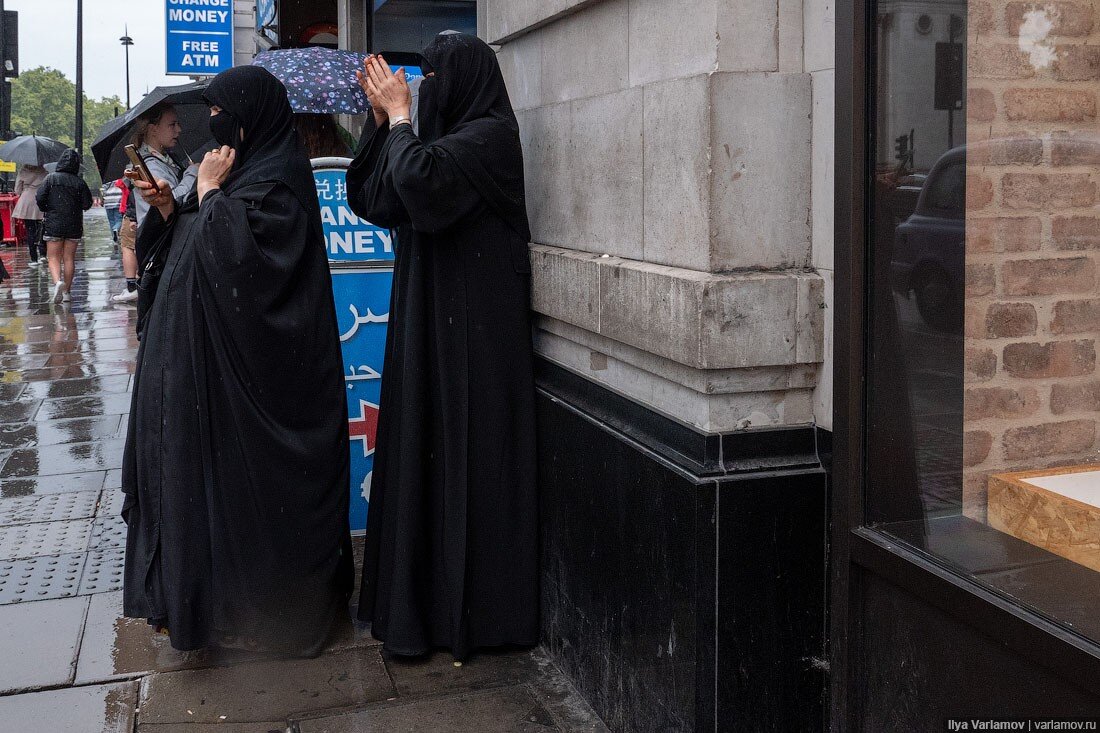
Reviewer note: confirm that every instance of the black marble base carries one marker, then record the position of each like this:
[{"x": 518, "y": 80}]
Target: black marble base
[{"x": 683, "y": 573}]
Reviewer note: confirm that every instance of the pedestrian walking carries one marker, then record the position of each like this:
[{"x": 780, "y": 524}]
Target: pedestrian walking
[
  {"x": 451, "y": 556},
  {"x": 63, "y": 197},
  {"x": 156, "y": 132},
  {"x": 235, "y": 468},
  {"x": 26, "y": 208},
  {"x": 112, "y": 202}
]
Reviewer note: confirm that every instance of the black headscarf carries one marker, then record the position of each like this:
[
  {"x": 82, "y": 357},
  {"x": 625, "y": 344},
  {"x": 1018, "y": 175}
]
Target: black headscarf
[
  {"x": 270, "y": 151},
  {"x": 465, "y": 110}
]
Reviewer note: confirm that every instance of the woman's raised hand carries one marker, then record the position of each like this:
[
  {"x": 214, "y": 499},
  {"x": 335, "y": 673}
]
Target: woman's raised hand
[
  {"x": 380, "y": 116},
  {"x": 386, "y": 89},
  {"x": 214, "y": 169}
]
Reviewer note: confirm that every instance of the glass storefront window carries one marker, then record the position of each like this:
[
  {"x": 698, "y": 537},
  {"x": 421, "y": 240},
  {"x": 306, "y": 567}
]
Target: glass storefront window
[{"x": 984, "y": 305}]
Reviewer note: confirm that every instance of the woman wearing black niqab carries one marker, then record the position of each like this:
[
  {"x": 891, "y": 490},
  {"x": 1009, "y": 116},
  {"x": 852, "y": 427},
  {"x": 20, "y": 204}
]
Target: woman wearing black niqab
[
  {"x": 236, "y": 462},
  {"x": 451, "y": 554}
]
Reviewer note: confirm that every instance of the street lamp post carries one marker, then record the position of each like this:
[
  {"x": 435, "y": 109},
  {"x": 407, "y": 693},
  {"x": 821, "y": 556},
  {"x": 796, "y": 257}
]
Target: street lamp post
[
  {"x": 79, "y": 76},
  {"x": 127, "y": 42}
]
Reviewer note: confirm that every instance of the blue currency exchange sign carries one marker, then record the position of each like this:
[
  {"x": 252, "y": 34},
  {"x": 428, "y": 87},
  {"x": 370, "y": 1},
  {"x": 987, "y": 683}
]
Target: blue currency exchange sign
[
  {"x": 347, "y": 237},
  {"x": 199, "y": 36},
  {"x": 361, "y": 261},
  {"x": 362, "y": 296}
]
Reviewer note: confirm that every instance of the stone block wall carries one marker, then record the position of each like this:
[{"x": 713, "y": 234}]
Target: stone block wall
[
  {"x": 244, "y": 32},
  {"x": 1032, "y": 234},
  {"x": 674, "y": 153}
]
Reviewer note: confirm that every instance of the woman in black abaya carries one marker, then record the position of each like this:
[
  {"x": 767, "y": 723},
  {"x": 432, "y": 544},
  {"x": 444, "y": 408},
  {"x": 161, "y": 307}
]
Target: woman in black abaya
[
  {"x": 452, "y": 531},
  {"x": 236, "y": 462}
]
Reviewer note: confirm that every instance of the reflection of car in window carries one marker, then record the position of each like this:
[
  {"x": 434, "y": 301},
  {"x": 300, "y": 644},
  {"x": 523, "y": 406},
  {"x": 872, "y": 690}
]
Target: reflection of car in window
[{"x": 930, "y": 246}]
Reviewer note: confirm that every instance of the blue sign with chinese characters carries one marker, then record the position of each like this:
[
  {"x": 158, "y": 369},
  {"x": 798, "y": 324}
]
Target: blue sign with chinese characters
[
  {"x": 347, "y": 237},
  {"x": 199, "y": 36}
]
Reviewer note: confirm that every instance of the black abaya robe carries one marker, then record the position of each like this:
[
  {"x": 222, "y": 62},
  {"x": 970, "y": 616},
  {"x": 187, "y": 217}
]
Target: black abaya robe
[
  {"x": 451, "y": 555},
  {"x": 236, "y": 462}
]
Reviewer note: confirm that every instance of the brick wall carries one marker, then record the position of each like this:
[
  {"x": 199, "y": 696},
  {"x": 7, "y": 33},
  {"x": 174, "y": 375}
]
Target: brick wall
[{"x": 1033, "y": 236}]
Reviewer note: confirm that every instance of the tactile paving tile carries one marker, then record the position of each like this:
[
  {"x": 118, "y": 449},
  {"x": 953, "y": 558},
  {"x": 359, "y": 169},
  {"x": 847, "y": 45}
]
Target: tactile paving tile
[
  {"x": 103, "y": 571},
  {"x": 44, "y": 538},
  {"x": 40, "y": 578},
  {"x": 48, "y": 508},
  {"x": 108, "y": 530},
  {"x": 110, "y": 503}
]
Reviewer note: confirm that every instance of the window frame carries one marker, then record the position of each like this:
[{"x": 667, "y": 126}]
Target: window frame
[{"x": 855, "y": 548}]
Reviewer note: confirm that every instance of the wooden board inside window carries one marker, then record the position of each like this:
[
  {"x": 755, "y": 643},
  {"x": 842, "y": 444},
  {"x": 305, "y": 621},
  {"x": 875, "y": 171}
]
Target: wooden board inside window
[{"x": 1056, "y": 509}]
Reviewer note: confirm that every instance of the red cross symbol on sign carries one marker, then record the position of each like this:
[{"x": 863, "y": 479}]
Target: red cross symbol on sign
[{"x": 365, "y": 427}]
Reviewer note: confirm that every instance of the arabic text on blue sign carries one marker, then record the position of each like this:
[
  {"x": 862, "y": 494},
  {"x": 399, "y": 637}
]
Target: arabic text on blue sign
[
  {"x": 199, "y": 38},
  {"x": 362, "y": 298},
  {"x": 347, "y": 237}
]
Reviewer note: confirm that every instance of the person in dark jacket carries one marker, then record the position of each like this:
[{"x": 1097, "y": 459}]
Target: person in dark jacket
[{"x": 63, "y": 198}]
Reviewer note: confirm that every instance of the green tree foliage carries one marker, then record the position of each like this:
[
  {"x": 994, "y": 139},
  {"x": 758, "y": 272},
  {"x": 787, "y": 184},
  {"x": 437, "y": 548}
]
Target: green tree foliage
[{"x": 43, "y": 102}]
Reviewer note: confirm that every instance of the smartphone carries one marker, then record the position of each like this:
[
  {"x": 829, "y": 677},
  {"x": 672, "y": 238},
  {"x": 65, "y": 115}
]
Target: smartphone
[{"x": 140, "y": 167}]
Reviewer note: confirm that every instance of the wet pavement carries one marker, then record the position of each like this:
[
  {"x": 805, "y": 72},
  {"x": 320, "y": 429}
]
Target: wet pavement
[{"x": 71, "y": 662}]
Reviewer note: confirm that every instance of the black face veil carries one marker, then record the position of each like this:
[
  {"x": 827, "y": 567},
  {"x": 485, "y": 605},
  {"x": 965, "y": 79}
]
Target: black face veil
[
  {"x": 270, "y": 150},
  {"x": 465, "y": 109}
]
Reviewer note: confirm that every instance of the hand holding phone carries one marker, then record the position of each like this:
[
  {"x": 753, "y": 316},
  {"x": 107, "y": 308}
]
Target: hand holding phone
[{"x": 140, "y": 168}]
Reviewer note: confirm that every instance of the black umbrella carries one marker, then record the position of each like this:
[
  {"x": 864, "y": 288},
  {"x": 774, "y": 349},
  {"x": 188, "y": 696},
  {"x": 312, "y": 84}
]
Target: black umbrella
[
  {"x": 32, "y": 150},
  {"x": 193, "y": 114}
]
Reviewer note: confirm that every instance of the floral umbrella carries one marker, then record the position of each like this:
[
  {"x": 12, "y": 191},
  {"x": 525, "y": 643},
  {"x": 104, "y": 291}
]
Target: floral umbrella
[{"x": 318, "y": 79}]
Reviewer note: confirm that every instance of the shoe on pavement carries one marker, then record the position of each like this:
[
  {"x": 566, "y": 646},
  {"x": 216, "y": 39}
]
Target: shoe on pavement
[
  {"x": 126, "y": 296},
  {"x": 32, "y": 263},
  {"x": 67, "y": 296},
  {"x": 58, "y": 291}
]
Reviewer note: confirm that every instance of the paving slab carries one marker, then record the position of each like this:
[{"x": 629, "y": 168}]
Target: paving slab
[
  {"x": 77, "y": 387},
  {"x": 44, "y": 538},
  {"x": 54, "y": 432},
  {"x": 58, "y": 484},
  {"x": 263, "y": 691},
  {"x": 18, "y": 410},
  {"x": 64, "y": 459},
  {"x": 437, "y": 674},
  {"x": 103, "y": 570},
  {"x": 49, "y": 507},
  {"x": 111, "y": 500},
  {"x": 40, "y": 578},
  {"x": 516, "y": 709},
  {"x": 109, "y": 530},
  {"x": 542, "y": 701},
  {"x": 114, "y": 646},
  {"x": 24, "y": 361},
  {"x": 273, "y": 726},
  {"x": 114, "y": 476},
  {"x": 88, "y": 406},
  {"x": 40, "y": 375},
  {"x": 96, "y": 709},
  {"x": 43, "y": 637},
  {"x": 11, "y": 390}
]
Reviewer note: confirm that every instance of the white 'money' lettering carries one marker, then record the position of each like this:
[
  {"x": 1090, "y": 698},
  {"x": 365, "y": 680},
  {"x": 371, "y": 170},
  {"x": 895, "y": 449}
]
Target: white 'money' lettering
[{"x": 186, "y": 15}]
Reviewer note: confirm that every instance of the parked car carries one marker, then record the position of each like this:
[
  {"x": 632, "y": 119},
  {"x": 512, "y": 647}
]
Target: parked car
[{"x": 929, "y": 258}]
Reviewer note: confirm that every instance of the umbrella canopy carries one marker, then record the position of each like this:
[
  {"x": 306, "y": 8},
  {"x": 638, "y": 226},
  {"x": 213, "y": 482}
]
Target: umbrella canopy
[
  {"x": 32, "y": 150},
  {"x": 318, "y": 79},
  {"x": 193, "y": 114}
]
